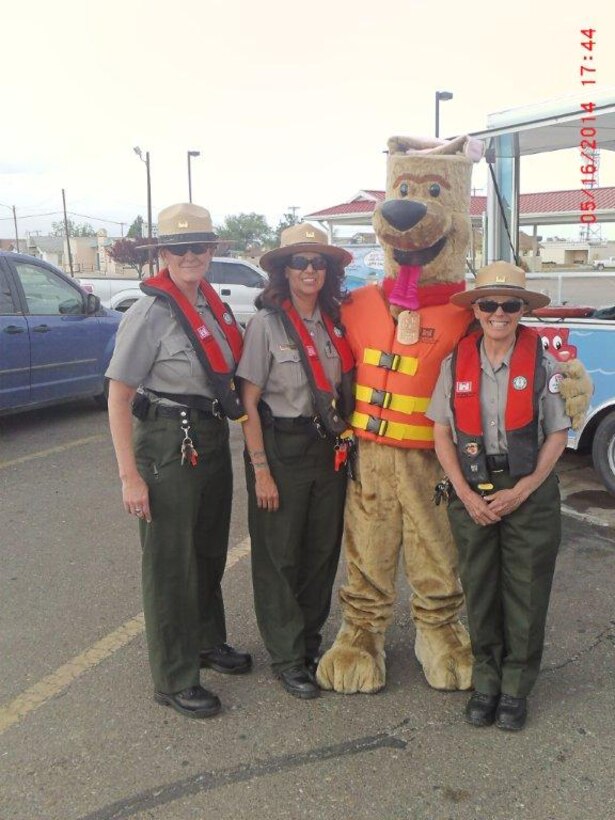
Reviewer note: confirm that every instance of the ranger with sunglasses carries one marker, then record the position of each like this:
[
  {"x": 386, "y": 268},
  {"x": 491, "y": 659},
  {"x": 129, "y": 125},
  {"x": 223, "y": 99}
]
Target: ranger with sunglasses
[
  {"x": 296, "y": 373},
  {"x": 173, "y": 369},
  {"x": 500, "y": 427}
]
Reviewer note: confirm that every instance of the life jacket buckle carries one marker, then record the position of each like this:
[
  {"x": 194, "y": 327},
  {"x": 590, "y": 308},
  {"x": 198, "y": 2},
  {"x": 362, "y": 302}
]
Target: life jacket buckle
[
  {"x": 390, "y": 361},
  {"x": 381, "y": 398}
]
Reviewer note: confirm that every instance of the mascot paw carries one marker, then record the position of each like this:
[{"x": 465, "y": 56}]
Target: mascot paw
[
  {"x": 446, "y": 657},
  {"x": 355, "y": 662},
  {"x": 576, "y": 388}
]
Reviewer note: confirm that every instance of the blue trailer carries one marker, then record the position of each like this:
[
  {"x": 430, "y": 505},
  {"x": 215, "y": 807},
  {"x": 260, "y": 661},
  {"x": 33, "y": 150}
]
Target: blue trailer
[{"x": 592, "y": 340}]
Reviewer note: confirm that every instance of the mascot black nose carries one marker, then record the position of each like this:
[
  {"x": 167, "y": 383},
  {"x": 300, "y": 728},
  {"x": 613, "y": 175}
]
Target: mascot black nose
[{"x": 403, "y": 213}]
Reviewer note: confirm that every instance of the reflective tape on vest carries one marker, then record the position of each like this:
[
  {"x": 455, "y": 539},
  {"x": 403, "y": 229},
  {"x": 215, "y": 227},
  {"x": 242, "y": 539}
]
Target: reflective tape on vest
[
  {"x": 391, "y": 361},
  {"x": 391, "y": 429},
  {"x": 391, "y": 401}
]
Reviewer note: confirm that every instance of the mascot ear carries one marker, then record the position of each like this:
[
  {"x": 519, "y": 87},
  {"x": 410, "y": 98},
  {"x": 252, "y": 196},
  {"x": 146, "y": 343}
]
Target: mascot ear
[{"x": 576, "y": 389}]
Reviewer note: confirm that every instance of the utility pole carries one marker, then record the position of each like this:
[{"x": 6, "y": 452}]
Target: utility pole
[
  {"x": 293, "y": 209},
  {"x": 16, "y": 233},
  {"x": 70, "y": 255}
]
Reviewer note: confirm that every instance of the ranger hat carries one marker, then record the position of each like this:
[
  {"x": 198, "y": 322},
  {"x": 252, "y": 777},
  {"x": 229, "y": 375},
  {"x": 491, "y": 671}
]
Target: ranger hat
[
  {"x": 299, "y": 239},
  {"x": 501, "y": 279},
  {"x": 184, "y": 224}
]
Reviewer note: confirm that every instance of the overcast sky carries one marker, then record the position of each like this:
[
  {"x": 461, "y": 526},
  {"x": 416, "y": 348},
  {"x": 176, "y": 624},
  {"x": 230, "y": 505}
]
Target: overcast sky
[{"x": 289, "y": 103}]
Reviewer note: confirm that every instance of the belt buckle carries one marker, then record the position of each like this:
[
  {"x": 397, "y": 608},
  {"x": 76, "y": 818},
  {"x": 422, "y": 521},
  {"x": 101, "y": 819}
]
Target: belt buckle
[{"x": 216, "y": 410}]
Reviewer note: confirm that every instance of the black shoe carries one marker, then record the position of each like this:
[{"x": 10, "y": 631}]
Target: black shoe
[
  {"x": 511, "y": 713},
  {"x": 299, "y": 682},
  {"x": 480, "y": 709},
  {"x": 224, "y": 658},
  {"x": 194, "y": 702}
]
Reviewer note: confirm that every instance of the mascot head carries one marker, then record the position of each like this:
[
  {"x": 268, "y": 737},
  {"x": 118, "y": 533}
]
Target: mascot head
[{"x": 424, "y": 221}]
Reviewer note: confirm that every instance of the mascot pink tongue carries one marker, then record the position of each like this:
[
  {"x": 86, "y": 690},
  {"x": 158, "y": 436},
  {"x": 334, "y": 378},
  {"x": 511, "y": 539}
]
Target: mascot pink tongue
[{"x": 405, "y": 292}]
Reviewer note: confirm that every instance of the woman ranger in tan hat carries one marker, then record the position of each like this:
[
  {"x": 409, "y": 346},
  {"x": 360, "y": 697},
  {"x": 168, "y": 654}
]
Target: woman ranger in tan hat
[
  {"x": 500, "y": 426},
  {"x": 296, "y": 385},
  {"x": 172, "y": 369}
]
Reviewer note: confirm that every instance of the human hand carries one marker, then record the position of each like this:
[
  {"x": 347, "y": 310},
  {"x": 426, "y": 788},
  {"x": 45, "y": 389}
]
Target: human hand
[
  {"x": 267, "y": 496},
  {"x": 135, "y": 495},
  {"x": 479, "y": 511},
  {"x": 503, "y": 502}
]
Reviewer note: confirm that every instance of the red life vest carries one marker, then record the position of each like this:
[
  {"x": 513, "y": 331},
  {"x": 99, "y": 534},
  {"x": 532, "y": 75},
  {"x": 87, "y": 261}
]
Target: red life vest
[
  {"x": 394, "y": 381},
  {"x": 332, "y": 416},
  {"x": 206, "y": 347},
  {"x": 527, "y": 376}
]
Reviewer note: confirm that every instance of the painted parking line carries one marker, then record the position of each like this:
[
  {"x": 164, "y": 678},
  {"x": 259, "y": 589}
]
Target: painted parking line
[
  {"x": 78, "y": 442},
  {"x": 37, "y": 695}
]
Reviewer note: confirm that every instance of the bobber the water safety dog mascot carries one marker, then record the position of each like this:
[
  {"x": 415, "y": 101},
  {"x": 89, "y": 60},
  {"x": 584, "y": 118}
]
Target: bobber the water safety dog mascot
[{"x": 400, "y": 332}]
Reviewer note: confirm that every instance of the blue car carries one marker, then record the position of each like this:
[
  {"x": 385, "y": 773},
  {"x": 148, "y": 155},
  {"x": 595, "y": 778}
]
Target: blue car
[{"x": 55, "y": 340}]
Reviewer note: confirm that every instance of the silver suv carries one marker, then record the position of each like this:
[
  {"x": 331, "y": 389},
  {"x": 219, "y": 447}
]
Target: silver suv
[{"x": 237, "y": 283}]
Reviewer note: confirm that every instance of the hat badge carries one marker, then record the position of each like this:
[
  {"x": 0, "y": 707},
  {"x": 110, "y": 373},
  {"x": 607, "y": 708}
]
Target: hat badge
[
  {"x": 500, "y": 280},
  {"x": 182, "y": 224},
  {"x": 310, "y": 234}
]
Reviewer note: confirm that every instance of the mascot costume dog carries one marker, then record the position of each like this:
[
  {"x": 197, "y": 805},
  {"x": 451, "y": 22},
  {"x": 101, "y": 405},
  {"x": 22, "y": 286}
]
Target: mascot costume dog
[{"x": 400, "y": 332}]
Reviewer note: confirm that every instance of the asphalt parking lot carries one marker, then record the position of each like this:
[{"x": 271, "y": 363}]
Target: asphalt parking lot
[{"x": 80, "y": 736}]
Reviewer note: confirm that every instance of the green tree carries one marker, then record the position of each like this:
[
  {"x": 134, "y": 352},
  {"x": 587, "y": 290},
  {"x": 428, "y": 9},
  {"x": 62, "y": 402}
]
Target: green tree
[
  {"x": 287, "y": 221},
  {"x": 245, "y": 230},
  {"x": 136, "y": 229},
  {"x": 74, "y": 229}
]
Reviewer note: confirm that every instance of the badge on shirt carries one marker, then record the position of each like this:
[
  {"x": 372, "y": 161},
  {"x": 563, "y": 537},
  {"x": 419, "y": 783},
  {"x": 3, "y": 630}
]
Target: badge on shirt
[
  {"x": 472, "y": 449},
  {"x": 463, "y": 387},
  {"x": 338, "y": 332},
  {"x": 554, "y": 382},
  {"x": 288, "y": 347},
  {"x": 227, "y": 318},
  {"x": 519, "y": 383}
]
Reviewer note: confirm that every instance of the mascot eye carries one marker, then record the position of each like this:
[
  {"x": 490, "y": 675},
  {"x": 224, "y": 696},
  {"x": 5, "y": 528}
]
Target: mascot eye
[
  {"x": 557, "y": 342},
  {"x": 403, "y": 189},
  {"x": 545, "y": 343},
  {"x": 434, "y": 189}
]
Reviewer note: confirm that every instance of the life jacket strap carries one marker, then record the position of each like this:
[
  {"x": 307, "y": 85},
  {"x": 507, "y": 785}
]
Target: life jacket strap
[
  {"x": 391, "y": 401},
  {"x": 391, "y": 361},
  {"x": 391, "y": 429}
]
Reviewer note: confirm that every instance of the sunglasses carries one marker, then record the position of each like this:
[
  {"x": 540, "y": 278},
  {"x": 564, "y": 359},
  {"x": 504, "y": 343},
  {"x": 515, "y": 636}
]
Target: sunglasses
[
  {"x": 509, "y": 306},
  {"x": 299, "y": 262},
  {"x": 196, "y": 248}
]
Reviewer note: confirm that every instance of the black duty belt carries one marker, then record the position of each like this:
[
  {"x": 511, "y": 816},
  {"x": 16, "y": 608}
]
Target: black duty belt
[
  {"x": 497, "y": 463},
  {"x": 201, "y": 404}
]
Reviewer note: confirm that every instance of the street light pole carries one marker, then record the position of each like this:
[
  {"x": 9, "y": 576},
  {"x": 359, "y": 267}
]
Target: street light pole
[
  {"x": 441, "y": 95},
  {"x": 139, "y": 153},
  {"x": 190, "y": 155}
]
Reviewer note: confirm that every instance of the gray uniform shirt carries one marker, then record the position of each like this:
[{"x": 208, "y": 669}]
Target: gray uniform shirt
[
  {"x": 270, "y": 360},
  {"x": 153, "y": 351},
  {"x": 493, "y": 393}
]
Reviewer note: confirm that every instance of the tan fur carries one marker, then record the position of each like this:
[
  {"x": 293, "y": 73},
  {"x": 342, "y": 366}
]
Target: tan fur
[{"x": 577, "y": 389}]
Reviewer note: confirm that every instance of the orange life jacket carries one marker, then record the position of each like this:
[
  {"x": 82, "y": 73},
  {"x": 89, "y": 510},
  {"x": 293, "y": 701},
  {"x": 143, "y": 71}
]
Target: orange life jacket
[{"x": 394, "y": 382}]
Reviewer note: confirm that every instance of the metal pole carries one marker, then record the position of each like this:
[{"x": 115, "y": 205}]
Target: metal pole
[
  {"x": 16, "y": 233},
  {"x": 70, "y": 255},
  {"x": 437, "y": 114},
  {"x": 149, "y": 215},
  {"x": 189, "y": 180}
]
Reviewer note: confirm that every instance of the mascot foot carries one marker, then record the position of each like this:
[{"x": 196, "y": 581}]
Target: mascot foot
[
  {"x": 446, "y": 657},
  {"x": 355, "y": 662}
]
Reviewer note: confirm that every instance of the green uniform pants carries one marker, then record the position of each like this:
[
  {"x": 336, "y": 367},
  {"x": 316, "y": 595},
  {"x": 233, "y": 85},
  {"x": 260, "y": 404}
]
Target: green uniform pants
[
  {"x": 185, "y": 545},
  {"x": 506, "y": 572},
  {"x": 295, "y": 550}
]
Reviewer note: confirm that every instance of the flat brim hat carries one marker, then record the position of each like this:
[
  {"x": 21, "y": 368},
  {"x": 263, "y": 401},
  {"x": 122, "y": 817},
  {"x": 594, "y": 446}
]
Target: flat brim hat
[
  {"x": 303, "y": 238},
  {"x": 184, "y": 224},
  {"x": 503, "y": 280}
]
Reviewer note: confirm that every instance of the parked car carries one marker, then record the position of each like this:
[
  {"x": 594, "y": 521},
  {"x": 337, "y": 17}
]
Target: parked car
[
  {"x": 55, "y": 339},
  {"x": 238, "y": 283},
  {"x": 601, "y": 264}
]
